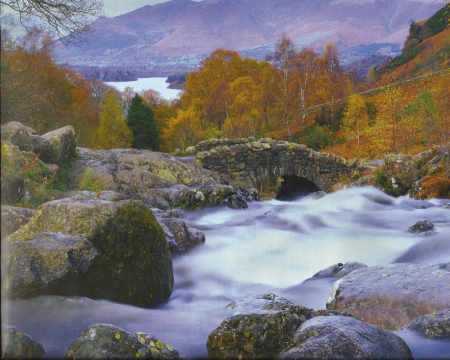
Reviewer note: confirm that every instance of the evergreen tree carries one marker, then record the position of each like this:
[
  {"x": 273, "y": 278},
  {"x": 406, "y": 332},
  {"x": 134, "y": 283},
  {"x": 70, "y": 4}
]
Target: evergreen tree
[{"x": 142, "y": 123}]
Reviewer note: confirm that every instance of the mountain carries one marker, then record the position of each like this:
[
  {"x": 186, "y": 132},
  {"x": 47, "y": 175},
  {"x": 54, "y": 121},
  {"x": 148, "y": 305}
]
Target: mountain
[{"x": 182, "y": 32}]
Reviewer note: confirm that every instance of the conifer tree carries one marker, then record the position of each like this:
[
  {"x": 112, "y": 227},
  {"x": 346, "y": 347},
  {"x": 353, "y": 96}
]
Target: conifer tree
[{"x": 142, "y": 123}]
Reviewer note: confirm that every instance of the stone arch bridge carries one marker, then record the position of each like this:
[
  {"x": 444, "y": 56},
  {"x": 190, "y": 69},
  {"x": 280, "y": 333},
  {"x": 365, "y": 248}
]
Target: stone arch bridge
[{"x": 251, "y": 162}]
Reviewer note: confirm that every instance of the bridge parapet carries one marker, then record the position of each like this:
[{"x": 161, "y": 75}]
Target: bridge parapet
[{"x": 253, "y": 161}]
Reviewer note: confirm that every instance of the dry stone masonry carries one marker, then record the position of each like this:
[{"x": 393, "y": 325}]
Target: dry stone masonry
[{"x": 255, "y": 161}]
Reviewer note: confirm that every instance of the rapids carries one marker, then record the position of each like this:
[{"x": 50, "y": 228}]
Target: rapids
[{"x": 272, "y": 246}]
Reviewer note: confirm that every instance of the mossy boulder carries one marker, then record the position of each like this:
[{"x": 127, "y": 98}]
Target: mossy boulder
[
  {"x": 18, "y": 345},
  {"x": 13, "y": 218},
  {"x": 104, "y": 341},
  {"x": 402, "y": 171},
  {"x": 435, "y": 326},
  {"x": 392, "y": 296},
  {"x": 63, "y": 145},
  {"x": 134, "y": 264},
  {"x": 16, "y": 166},
  {"x": 343, "y": 337},
  {"x": 48, "y": 264}
]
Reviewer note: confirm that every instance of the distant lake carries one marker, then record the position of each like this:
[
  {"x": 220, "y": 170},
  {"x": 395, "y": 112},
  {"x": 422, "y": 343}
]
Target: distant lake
[{"x": 155, "y": 83}]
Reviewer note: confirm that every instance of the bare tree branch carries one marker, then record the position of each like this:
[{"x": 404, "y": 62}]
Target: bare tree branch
[{"x": 69, "y": 19}]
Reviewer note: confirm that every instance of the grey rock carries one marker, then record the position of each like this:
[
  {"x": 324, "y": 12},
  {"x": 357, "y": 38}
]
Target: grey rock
[
  {"x": 105, "y": 341},
  {"x": 436, "y": 326},
  {"x": 259, "y": 303},
  {"x": 422, "y": 227},
  {"x": 43, "y": 147},
  {"x": 134, "y": 264},
  {"x": 13, "y": 218},
  {"x": 48, "y": 264},
  {"x": 339, "y": 270},
  {"x": 18, "y": 345},
  {"x": 345, "y": 337},
  {"x": 179, "y": 237},
  {"x": 391, "y": 296},
  {"x": 63, "y": 145}
]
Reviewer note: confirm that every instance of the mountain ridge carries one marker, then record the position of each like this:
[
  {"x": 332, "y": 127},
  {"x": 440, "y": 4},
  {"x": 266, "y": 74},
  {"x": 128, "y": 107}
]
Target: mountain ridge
[{"x": 184, "y": 31}]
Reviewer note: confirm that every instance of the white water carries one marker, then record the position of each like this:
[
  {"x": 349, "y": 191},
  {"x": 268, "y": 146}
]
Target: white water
[
  {"x": 272, "y": 246},
  {"x": 155, "y": 83}
]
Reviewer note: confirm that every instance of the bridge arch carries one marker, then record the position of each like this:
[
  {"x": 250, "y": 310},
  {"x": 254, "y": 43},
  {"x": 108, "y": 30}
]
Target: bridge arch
[{"x": 252, "y": 162}]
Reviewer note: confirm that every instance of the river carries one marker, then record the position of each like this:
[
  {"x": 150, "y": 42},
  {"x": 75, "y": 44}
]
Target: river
[
  {"x": 272, "y": 246},
  {"x": 155, "y": 83}
]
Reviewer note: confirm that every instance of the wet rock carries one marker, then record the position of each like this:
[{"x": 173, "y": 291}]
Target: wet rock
[
  {"x": 339, "y": 270},
  {"x": 345, "y": 337},
  {"x": 18, "y": 345},
  {"x": 104, "y": 341},
  {"x": 200, "y": 197},
  {"x": 255, "y": 335},
  {"x": 402, "y": 171},
  {"x": 446, "y": 206},
  {"x": 423, "y": 227},
  {"x": 235, "y": 202},
  {"x": 48, "y": 264},
  {"x": 180, "y": 239},
  {"x": 13, "y": 218},
  {"x": 63, "y": 145},
  {"x": 257, "y": 303},
  {"x": 134, "y": 264},
  {"x": 391, "y": 296},
  {"x": 316, "y": 195},
  {"x": 436, "y": 326}
]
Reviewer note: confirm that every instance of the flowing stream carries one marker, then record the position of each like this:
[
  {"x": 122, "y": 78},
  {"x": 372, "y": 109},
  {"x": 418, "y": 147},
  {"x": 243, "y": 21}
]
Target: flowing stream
[{"x": 272, "y": 246}]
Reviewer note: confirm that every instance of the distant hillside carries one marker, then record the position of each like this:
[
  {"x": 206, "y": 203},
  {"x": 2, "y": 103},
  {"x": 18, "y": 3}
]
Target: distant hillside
[
  {"x": 426, "y": 49},
  {"x": 182, "y": 32}
]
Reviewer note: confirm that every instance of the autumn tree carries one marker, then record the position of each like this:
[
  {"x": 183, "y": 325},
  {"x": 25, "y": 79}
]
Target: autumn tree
[
  {"x": 112, "y": 132},
  {"x": 142, "y": 124},
  {"x": 356, "y": 118},
  {"x": 183, "y": 130}
]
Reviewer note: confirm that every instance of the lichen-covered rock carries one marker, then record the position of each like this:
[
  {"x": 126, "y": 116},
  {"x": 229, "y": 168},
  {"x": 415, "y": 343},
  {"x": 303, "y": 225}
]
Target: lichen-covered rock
[
  {"x": 134, "y": 264},
  {"x": 104, "y": 341},
  {"x": 422, "y": 227},
  {"x": 158, "y": 180},
  {"x": 63, "y": 145},
  {"x": 235, "y": 201},
  {"x": 179, "y": 237},
  {"x": 343, "y": 337},
  {"x": 42, "y": 146},
  {"x": 402, "y": 171},
  {"x": 13, "y": 218},
  {"x": 18, "y": 134},
  {"x": 259, "y": 303},
  {"x": 392, "y": 296},
  {"x": 253, "y": 336},
  {"x": 339, "y": 270},
  {"x": 48, "y": 264},
  {"x": 18, "y": 345},
  {"x": 436, "y": 326},
  {"x": 15, "y": 165}
]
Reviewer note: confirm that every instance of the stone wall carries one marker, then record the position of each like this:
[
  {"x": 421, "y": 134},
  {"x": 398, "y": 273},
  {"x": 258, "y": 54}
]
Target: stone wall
[{"x": 253, "y": 161}]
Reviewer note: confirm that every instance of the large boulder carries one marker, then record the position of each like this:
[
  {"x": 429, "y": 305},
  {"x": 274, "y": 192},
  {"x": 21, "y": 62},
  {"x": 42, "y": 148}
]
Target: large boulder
[
  {"x": 344, "y": 337},
  {"x": 63, "y": 145},
  {"x": 402, "y": 171},
  {"x": 48, "y": 264},
  {"x": 392, "y": 296},
  {"x": 18, "y": 345},
  {"x": 104, "y": 341},
  {"x": 253, "y": 336},
  {"x": 16, "y": 166},
  {"x": 436, "y": 326},
  {"x": 18, "y": 134},
  {"x": 13, "y": 218},
  {"x": 134, "y": 264}
]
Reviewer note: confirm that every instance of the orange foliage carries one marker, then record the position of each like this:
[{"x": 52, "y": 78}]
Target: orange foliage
[{"x": 435, "y": 186}]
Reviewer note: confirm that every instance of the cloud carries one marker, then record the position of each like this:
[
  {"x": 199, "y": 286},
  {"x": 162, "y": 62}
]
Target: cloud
[{"x": 114, "y": 7}]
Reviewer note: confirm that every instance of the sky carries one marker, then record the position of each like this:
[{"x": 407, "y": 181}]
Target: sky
[{"x": 113, "y": 8}]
